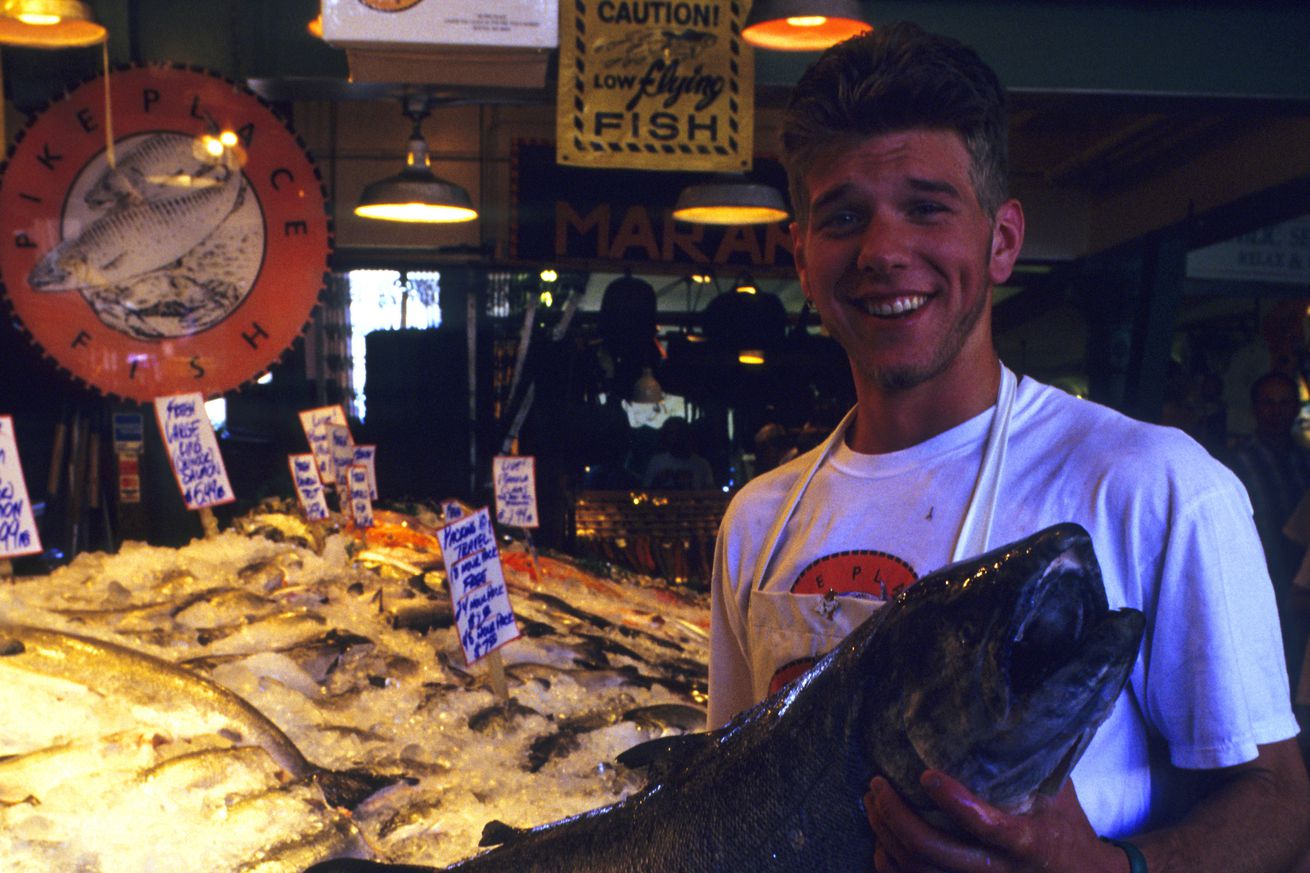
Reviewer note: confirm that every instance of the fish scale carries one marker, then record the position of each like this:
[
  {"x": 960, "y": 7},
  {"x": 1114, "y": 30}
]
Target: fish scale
[{"x": 779, "y": 788}]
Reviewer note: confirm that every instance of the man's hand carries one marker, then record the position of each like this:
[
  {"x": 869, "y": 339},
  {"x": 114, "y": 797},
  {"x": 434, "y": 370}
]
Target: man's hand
[{"x": 1054, "y": 836}]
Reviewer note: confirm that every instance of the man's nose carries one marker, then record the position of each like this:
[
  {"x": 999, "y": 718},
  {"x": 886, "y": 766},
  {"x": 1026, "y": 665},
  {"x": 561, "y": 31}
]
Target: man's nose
[{"x": 883, "y": 246}]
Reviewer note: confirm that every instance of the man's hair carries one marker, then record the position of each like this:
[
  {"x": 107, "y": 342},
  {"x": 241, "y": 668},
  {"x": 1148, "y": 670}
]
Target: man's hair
[{"x": 891, "y": 79}]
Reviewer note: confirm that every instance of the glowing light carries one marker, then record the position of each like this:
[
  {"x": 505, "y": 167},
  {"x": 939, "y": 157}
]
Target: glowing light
[
  {"x": 213, "y": 146},
  {"x": 228, "y": 138},
  {"x": 420, "y": 212},
  {"x": 547, "y": 299},
  {"x": 808, "y": 20},
  {"x": 39, "y": 19},
  {"x": 751, "y": 357},
  {"x": 549, "y": 275}
]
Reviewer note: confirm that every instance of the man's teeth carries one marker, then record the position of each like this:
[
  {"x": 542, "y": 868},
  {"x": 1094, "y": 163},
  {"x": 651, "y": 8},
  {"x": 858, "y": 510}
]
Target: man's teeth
[{"x": 899, "y": 306}]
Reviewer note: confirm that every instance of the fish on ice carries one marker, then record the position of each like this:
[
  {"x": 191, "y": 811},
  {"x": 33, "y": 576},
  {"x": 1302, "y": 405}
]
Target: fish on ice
[{"x": 997, "y": 670}]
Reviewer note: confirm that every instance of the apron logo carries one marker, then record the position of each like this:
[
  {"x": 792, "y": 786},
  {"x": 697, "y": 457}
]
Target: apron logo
[
  {"x": 875, "y": 574},
  {"x": 858, "y": 573}
]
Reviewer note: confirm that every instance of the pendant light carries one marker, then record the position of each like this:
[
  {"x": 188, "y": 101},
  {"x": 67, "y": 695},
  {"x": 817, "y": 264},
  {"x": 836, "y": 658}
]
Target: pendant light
[
  {"x": 730, "y": 200},
  {"x": 802, "y": 25},
  {"x": 49, "y": 24},
  {"x": 416, "y": 194}
]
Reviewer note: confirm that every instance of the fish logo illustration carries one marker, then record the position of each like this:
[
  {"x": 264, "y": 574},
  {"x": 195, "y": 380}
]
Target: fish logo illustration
[{"x": 187, "y": 257}]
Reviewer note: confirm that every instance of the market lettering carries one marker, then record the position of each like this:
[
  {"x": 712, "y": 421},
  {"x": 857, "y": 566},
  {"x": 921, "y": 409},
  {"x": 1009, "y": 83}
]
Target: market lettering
[
  {"x": 594, "y": 235},
  {"x": 23, "y": 241},
  {"x": 47, "y": 158},
  {"x": 656, "y": 12},
  {"x": 194, "y": 364},
  {"x": 662, "y": 126},
  {"x": 31, "y": 198},
  {"x": 295, "y": 227},
  {"x": 246, "y": 133},
  {"x": 255, "y": 335},
  {"x": 84, "y": 118},
  {"x": 149, "y": 97},
  {"x": 280, "y": 171},
  {"x": 81, "y": 339},
  {"x": 665, "y": 80}
]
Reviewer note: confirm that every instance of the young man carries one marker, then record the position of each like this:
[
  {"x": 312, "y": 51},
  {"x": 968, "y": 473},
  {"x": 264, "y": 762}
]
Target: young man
[{"x": 895, "y": 146}]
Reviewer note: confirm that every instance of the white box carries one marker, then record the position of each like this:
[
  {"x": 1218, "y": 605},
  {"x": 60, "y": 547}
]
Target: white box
[{"x": 408, "y": 24}]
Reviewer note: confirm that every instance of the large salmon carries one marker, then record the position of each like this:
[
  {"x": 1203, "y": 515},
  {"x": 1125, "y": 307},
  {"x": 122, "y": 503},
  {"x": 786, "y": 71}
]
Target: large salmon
[{"x": 996, "y": 670}]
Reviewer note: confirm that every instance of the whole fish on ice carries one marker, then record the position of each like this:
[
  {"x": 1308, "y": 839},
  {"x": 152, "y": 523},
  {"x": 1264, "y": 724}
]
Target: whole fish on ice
[
  {"x": 113, "y": 671},
  {"x": 996, "y": 670}
]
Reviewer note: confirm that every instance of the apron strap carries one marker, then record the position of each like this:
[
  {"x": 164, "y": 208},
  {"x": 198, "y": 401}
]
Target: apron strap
[
  {"x": 976, "y": 528},
  {"x": 793, "y": 497}
]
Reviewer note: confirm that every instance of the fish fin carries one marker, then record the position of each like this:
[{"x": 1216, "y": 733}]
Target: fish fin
[
  {"x": 497, "y": 833},
  {"x": 662, "y": 756}
]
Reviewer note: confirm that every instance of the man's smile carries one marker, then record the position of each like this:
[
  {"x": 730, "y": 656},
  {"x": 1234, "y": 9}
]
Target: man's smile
[{"x": 891, "y": 307}]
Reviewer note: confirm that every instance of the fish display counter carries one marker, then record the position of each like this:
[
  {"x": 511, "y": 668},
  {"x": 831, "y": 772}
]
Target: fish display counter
[{"x": 283, "y": 693}]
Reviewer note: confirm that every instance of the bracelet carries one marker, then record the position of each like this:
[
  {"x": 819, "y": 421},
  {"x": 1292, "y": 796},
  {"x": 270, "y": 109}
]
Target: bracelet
[{"x": 1136, "y": 860}]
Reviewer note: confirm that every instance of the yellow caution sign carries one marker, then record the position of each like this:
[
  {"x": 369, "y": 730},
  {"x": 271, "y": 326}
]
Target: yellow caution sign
[{"x": 656, "y": 85}]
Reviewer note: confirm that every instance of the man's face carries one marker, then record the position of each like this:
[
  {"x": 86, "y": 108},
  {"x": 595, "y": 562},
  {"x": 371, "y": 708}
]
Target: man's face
[{"x": 899, "y": 258}]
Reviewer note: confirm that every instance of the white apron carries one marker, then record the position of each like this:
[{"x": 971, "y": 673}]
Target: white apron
[{"x": 810, "y": 625}]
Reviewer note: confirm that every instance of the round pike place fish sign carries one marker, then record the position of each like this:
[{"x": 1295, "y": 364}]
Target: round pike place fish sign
[{"x": 190, "y": 262}]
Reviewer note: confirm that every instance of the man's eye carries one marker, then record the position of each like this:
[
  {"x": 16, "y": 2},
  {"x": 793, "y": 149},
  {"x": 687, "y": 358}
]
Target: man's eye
[
  {"x": 926, "y": 209},
  {"x": 839, "y": 221}
]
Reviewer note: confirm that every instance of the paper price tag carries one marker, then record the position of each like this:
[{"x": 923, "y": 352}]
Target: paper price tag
[
  {"x": 309, "y": 489},
  {"x": 341, "y": 445},
  {"x": 516, "y": 490},
  {"x": 365, "y": 455},
  {"x": 18, "y": 534},
  {"x": 483, "y": 615},
  {"x": 361, "y": 505},
  {"x": 193, "y": 451},
  {"x": 315, "y": 422}
]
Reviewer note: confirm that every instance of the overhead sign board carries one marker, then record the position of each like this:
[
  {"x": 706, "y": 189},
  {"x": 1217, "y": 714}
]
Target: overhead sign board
[{"x": 661, "y": 86}]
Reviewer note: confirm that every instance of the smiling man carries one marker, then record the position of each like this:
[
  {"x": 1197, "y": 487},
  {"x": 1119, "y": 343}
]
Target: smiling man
[{"x": 896, "y": 151}]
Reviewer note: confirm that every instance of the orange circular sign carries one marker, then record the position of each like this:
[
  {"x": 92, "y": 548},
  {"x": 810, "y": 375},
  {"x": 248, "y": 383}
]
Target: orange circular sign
[{"x": 190, "y": 261}]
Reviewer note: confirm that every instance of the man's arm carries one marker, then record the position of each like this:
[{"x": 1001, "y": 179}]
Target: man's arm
[{"x": 1251, "y": 818}]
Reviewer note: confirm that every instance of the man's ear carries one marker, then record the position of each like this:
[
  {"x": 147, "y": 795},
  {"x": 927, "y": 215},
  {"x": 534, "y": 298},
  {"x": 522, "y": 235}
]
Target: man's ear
[
  {"x": 1007, "y": 240},
  {"x": 798, "y": 257}
]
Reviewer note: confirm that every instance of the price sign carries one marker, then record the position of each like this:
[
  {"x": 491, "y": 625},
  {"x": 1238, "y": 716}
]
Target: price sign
[
  {"x": 365, "y": 455},
  {"x": 342, "y": 447},
  {"x": 483, "y": 615},
  {"x": 18, "y": 535},
  {"x": 361, "y": 505},
  {"x": 315, "y": 424},
  {"x": 193, "y": 451},
  {"x": 516, "y": 490},
  {"x": 309, "y": 489}
]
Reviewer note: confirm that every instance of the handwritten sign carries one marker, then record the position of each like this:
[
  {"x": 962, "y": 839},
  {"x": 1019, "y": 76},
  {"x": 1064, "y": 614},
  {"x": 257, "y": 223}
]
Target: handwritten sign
[
  {"x": 361, "y": 505},
  {"x": 315, "y": 422},
  {"x": 451, "y": 510},
  {"x": 516, "y": 490},
  {"x": 342, "y": 447},
  {"x": 18, "y": 535},
  {"x": 366, "y": 455},
  {"x": 193, "y": 450},
  {"x": 483, "y": 615},
  {"x": 309, "y": 489}
]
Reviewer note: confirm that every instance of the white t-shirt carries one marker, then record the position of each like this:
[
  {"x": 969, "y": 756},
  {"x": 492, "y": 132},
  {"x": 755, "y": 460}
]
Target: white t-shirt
[{"x": 1173, "y": 534}]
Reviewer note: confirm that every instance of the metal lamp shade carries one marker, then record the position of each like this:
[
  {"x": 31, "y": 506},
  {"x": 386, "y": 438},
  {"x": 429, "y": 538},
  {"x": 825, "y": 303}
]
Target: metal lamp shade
[
  {"x": 730, "y": 203},
  {"x": 416, "y": 195},
  {"x": 49, "y": 24},
  {"x": 802, "y": 25}
]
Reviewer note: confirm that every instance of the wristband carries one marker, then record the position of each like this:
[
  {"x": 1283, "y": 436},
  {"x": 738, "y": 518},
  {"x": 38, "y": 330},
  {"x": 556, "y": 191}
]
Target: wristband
[{"x": 1136, "y": 860}]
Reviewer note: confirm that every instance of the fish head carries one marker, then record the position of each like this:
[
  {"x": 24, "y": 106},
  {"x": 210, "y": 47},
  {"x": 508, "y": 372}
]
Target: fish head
[
  {"x": 61, "y": 269},
  {"x": 1005, "y": 665}
]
